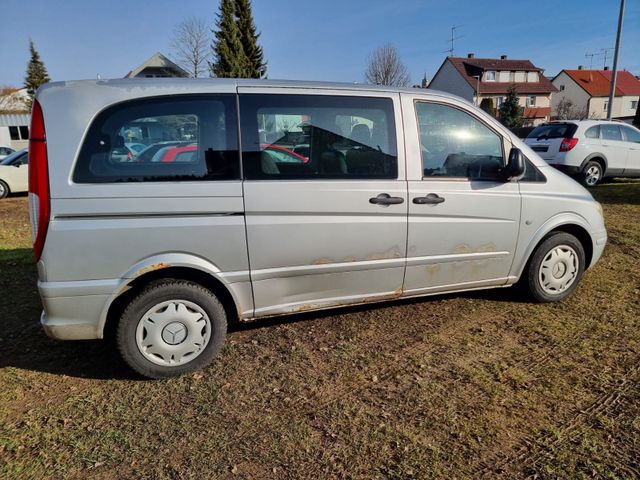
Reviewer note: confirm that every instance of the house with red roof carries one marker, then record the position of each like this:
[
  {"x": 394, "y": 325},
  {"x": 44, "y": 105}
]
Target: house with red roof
[
  {"x": 475, "y": 79},
  {"x": 588, "y": 90}
]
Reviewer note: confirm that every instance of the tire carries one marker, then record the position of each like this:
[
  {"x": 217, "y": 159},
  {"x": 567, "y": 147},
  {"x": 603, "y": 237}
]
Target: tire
[
  {"x": 172, "y": 327},
  {"x": 592, "y": 174},
  {"x": 4, "y": 190},
  {"x": 555, "y": 268}
]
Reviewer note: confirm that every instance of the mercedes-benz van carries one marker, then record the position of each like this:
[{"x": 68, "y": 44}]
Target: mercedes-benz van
[{"x": 246, "y": 199}]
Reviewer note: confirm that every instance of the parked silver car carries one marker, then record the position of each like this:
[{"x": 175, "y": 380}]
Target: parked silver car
[
  {"x": 400, "y": 193},
  {"x": 589, "y": 150}
]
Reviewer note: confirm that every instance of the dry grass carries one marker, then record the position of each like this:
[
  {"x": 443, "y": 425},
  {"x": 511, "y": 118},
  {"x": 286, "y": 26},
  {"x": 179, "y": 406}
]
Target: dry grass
[{"x": 481, "y": 385}]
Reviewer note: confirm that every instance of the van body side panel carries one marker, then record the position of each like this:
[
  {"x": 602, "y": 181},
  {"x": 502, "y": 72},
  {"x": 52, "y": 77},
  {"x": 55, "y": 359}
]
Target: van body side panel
[{"x": 318, "y": 243}]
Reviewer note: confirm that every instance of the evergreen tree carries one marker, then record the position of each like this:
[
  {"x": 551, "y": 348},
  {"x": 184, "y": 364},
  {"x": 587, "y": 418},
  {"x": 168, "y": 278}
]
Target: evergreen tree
[
  {"x": 636, "y": 119},
  {"x": 36, "y": 74},
  {"x": 256, "y": 66},
  {"x": 510, "y": 110},
  {"x": 487, "y": 105},
  {"x": 229, "y": 59}
]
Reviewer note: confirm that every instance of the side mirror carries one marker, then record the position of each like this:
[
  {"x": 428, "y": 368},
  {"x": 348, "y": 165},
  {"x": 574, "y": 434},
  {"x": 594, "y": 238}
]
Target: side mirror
[{"x": 515, "y": 166}]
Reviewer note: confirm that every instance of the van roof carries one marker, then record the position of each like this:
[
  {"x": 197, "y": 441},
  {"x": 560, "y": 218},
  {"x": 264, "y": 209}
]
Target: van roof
[{"x": 181, "y": 83}]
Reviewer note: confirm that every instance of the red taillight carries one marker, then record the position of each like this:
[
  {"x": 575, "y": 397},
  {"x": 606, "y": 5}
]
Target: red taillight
[
  {"x": 567, "y": 144},
  {"x": 129, "y": 156},
  {"x": 39, "y": 202}
]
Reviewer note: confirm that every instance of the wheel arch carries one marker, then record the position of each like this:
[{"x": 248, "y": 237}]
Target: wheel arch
[
  {"x": 568, "y": 223},
  {"x": 178, "y": 267},
  {"x": 597, "y": 157}
]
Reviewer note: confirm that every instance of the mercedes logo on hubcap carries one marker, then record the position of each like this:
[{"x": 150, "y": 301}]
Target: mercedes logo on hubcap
[{"x": 174, "y": 333}]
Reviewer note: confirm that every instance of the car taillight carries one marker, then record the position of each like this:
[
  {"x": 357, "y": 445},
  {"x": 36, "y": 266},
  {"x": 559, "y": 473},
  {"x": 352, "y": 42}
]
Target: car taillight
[
  {"x": 567, "y": 144},
  {"x": 39, "y": 201},
  {"x": 129, "y": 156}
]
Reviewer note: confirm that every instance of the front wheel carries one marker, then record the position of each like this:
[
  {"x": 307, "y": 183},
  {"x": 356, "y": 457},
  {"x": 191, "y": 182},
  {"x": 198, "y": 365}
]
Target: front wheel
[
  {"x": 170, "y": 328},
  {"x": 592, "y": 174},
  {"x": 556, "y": 267}
]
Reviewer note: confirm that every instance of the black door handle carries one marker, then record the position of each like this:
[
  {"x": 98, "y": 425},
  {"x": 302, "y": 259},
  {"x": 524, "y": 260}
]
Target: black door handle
[
  {"x": 430, "y": 199},
  {"x": 386, "y": 199}
]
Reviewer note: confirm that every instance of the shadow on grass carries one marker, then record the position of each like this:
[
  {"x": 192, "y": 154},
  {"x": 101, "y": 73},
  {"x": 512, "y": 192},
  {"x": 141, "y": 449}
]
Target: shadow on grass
[
  {"x": 24, "y": 345},
  {"x": 618, "y": 191}
]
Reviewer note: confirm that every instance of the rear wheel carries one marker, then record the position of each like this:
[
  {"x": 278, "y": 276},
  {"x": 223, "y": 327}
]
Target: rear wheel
[
  {"x": 592, "y": 174},
  {"x": 4, "y": 189},
  {"x": 170, "y": 328},
  {"x": 556, "y": 267}
]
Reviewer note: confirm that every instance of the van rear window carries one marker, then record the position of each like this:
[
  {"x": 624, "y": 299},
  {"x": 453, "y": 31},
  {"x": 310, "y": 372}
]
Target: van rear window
[
  {"x": 161, "y": 139},
  {"x": 553, "y": 130}
]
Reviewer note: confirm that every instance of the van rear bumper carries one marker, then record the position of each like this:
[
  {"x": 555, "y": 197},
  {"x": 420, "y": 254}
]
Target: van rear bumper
[{"x": 73, "y": 311}]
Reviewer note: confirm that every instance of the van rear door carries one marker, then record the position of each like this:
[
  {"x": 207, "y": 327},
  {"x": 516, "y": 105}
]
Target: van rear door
[{"x": 325, "y": 197}]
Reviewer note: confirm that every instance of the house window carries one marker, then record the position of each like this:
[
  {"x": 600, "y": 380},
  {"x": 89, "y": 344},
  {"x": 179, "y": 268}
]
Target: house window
[
  {"x": 490, "y": 76},
  {"x": 531, "y": 101},
  {"x": 561, "y": 88},
  {"x": 634, "y": 104},
  {"x": 499, "y": 101},
  {"x": 19, "y": 133}
]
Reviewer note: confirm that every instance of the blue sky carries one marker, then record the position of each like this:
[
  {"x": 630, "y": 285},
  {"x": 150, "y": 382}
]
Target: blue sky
[{"x": 319, "y": 40}]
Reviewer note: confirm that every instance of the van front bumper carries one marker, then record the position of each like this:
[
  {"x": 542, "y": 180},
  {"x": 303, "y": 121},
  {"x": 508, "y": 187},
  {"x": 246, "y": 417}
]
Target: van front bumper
[{"x": 74, "y": 310}]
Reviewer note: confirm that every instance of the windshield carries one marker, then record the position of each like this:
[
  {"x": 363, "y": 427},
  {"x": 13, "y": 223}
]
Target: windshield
[
  {"x": 553, "y": 130},
  {"x": 8, "y": 160}
]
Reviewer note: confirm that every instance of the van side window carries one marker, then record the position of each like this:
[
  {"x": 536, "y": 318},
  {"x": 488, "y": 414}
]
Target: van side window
[
  {"x": 162, "y": 139},
  {"x": 455, "y": 144},
  {"x": 317, "y": 137}
]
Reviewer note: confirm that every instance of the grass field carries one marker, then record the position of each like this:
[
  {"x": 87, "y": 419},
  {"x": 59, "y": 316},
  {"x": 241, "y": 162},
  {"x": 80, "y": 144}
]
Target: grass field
[{"x": 481, "y": 385}]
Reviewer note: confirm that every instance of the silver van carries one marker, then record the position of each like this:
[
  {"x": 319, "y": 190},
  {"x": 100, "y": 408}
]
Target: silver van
[{"x": 247, "y": 199}]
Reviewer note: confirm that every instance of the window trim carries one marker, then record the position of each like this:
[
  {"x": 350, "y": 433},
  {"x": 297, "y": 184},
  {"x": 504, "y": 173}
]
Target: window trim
[
  {"x": 495, "y": 74},
  {"x": 476, "y": 117}
]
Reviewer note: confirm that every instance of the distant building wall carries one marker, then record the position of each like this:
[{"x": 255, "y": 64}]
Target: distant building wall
[{"x": 449, "y": 80}]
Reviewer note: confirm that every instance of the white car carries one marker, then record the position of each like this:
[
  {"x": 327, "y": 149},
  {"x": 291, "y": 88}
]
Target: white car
[
  {"x": 589, "y": 150},
  {"x": 14, "y": 173},
  {"x": 5, "y": 151}
]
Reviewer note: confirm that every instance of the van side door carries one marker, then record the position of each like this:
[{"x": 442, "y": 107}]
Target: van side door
[
  {"x": 325, "y": 196},
  {"x": 463, "y": 217}
]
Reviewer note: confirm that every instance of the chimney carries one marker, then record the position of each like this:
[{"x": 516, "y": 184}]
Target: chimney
[
  {"x": 579, "y": 67},
  {"x": 606, "y": 68},
  {"x": 471, "y": 55},
  {"x": 503, "y": 57}
]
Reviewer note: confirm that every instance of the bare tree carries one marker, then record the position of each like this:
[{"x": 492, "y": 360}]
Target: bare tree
[
  {"x": 191, "y": 46},
  {"x": 386, "y": 68},
  {"x": 567, "y": 110}
]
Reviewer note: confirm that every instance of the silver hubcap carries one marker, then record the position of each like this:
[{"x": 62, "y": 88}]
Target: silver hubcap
[
  {"x": 173, "y": 333},
  {"x": 592, "y": 175},
  {"x": 1, "y": 189},
  {"x": 558, "y": 269}
]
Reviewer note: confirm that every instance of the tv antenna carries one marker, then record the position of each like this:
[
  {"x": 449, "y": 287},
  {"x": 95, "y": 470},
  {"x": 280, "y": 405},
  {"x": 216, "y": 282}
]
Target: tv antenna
[
  {"x": 605, "y": 53},
  {"x": 453, "y": 39},
  {"x": 590, "y": 57}
]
